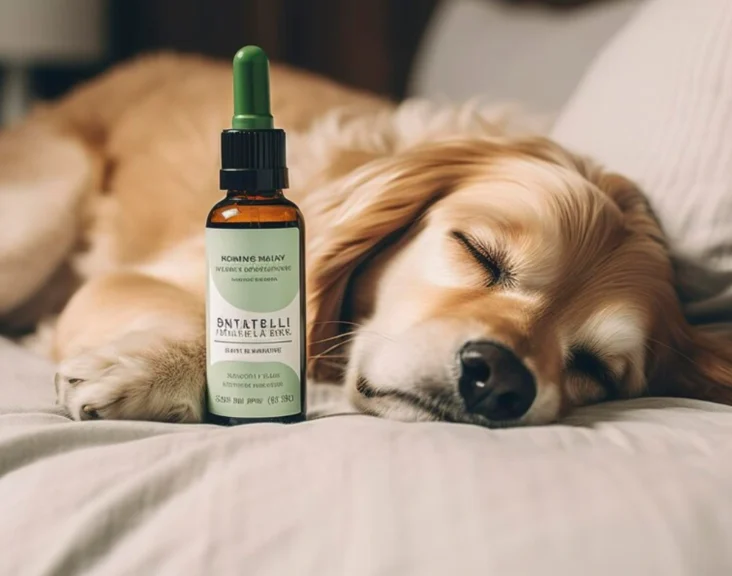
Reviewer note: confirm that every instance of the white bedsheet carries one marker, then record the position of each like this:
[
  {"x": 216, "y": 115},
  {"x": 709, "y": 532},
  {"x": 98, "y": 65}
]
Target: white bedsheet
[{"x": 641, "y": 487}]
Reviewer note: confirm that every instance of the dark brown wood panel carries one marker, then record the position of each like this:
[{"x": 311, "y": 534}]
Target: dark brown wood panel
[
  {"x": 370, "y": 44},
  {"x": 365, "y": 43}
]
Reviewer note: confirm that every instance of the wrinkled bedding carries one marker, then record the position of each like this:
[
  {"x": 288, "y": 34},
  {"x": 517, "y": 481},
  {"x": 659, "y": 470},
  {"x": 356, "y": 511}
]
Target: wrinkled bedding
[
  {"x": 25, "y": 378},
  {"x": 641, "y": 487}
]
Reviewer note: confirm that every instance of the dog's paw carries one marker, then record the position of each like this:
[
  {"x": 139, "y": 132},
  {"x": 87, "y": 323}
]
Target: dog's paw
[{"x": 136, "y": 378}]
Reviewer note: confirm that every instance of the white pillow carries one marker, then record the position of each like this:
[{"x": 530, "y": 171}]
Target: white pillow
[
  {"x": 512, "y": 51},
  {"x": 656, "y": 105}
]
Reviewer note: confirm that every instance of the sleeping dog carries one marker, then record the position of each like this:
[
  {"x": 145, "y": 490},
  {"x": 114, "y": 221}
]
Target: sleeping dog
[{"x": 459, "y": 267}]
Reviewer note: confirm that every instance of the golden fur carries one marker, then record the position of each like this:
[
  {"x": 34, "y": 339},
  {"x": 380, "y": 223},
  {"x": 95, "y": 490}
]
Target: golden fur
[{"x": 106, "y": 191}]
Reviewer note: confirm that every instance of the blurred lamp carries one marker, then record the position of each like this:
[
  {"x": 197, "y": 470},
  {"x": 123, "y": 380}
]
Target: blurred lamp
[{"x": 45, "y": 32}]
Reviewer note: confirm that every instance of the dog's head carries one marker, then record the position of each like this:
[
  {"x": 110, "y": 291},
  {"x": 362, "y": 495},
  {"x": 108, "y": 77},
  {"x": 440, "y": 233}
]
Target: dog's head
[{"x": 499, "y": 282}]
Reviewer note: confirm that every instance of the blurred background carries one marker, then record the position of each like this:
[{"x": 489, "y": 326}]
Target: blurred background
[{"x": 533, "y": 52}]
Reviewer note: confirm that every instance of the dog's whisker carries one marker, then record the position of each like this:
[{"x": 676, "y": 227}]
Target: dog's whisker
[
  {"x": 669, "y": 347},
  {"x": 374, "y": 333},
  {"x": 328, "y": 361},
  {"x": 334, "y": 347},
  {"x": 345, "y": 342},
  {"x": 361, "y": 332},
  {"x": 356, "y": 324},
  {"x": 352, "y": 333},
  {"x": 345, "y": 334}
]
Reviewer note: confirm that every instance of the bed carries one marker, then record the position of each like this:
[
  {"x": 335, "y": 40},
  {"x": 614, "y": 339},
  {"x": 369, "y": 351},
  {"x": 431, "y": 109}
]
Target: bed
[{"x": 637, "y": 487}]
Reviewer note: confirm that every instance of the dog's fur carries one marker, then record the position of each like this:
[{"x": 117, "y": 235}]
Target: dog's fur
[{"x": 428, "y": 226}]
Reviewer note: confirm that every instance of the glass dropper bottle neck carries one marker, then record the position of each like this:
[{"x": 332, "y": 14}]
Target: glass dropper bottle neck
[{"x": 254, "y": 195}]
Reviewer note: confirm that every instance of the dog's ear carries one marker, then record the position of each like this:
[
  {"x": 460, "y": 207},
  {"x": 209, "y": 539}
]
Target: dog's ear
[
  {"x": 694, "y": 362},
  {"x": 368, "y": 210},
  {"x": 634, "y": 205},
  {"x": 697, "y": 365}
]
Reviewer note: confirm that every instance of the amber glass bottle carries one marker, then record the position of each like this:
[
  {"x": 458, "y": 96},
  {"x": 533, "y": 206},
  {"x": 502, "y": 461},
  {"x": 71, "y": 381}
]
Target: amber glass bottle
[{"x": 255, "y": 252}]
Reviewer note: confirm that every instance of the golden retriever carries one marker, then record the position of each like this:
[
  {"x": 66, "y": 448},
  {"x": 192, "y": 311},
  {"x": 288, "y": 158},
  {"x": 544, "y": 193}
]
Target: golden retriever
[{"x": 459, "y": 268}]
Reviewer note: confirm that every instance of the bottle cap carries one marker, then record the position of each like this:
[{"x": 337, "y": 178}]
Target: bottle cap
[{"x": 253, "y": 151}]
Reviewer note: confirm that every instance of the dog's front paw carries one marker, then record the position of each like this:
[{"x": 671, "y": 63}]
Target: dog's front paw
[{"x": 136, "y": 378}]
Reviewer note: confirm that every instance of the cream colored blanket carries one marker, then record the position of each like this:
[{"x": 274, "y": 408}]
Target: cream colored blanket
[
  {"x": 642, "y": 487},
  {"x": 636, "y": 488}
]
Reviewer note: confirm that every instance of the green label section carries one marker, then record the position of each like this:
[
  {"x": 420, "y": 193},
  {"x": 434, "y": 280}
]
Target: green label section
[
  {"x": 253, "y": 390},
  {"x": 255, "y": 270}
]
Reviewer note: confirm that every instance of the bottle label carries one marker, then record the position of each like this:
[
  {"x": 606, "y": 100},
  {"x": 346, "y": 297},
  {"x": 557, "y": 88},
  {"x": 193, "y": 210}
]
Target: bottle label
[{"x": 253, "y": 318}]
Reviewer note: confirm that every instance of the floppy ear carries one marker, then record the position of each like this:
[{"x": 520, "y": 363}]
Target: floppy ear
[
  {"x": 368, "y": 210},
  {"x": 626, "y": 194},
  {"x": 684, "y": 361},
  {"x": 699, "y": 367},
  {"x": 698, "y": 362}
]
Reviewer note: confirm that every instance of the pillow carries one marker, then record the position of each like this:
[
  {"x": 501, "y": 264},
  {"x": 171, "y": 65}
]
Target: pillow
[
  {"x": 516, "y": 51},
  {"x": 656, "y": 105}
]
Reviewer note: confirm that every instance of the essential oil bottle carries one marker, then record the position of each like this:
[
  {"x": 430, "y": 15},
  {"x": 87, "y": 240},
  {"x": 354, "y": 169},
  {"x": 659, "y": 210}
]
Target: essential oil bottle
[{"x": 255, "y": 257}]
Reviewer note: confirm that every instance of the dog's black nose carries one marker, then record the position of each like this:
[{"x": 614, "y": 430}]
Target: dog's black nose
[{"x": 494, "y": 382}]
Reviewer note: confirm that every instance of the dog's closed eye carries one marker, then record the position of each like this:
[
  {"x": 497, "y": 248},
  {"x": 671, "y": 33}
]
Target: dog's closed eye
[
  {"x": 587, "y": 363},
  {"x": 488, "y": 261}
]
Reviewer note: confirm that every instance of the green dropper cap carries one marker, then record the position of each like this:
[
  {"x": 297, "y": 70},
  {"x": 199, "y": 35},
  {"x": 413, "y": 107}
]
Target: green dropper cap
[
  {"x": 251, "y": 90},
  {"x": 253, "y": 151}
]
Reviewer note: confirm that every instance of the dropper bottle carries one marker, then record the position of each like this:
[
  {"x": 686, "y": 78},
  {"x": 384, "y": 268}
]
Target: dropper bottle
[{"x": 255, "y": 256}]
